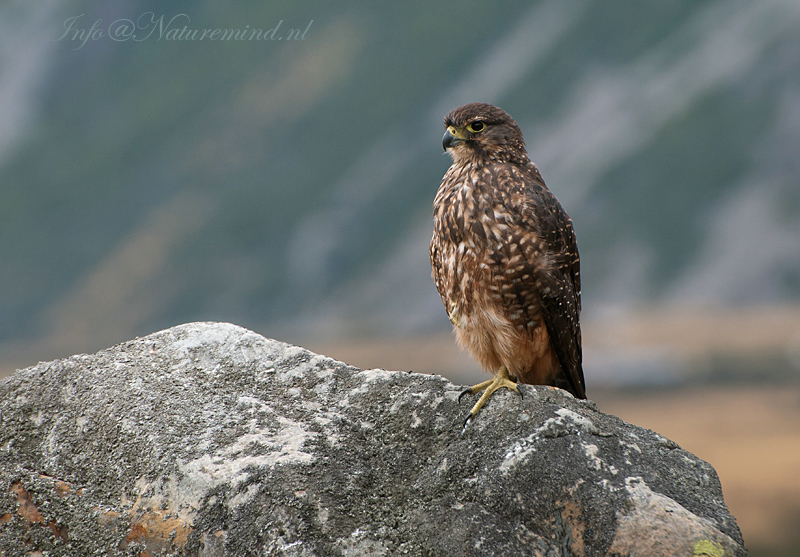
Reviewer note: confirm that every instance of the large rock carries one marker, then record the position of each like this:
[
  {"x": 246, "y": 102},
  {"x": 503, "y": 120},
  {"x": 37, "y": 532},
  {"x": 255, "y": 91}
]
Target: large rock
[{"x": 210, "y": 439}]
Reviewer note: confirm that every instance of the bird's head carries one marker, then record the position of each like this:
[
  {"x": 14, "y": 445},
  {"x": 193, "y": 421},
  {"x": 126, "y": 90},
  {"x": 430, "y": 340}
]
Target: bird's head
[{"x": 481, "y": 132}]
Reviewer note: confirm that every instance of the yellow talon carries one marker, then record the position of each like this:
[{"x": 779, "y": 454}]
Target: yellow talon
[{"x": 501, "y": 380}]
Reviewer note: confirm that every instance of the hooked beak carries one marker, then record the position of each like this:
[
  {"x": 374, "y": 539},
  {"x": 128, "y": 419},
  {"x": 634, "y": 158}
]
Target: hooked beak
[{"x": 451, "y": 138}]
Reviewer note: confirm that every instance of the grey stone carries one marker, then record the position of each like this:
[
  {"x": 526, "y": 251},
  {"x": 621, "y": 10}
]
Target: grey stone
[{"x": 208, "y": 439}]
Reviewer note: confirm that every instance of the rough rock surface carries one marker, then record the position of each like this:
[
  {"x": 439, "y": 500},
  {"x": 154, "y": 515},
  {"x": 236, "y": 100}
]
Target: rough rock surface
[{"x": 209, "y": 439}]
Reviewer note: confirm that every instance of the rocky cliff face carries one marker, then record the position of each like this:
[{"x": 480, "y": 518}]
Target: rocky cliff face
[{"x": 208, "y": 439}]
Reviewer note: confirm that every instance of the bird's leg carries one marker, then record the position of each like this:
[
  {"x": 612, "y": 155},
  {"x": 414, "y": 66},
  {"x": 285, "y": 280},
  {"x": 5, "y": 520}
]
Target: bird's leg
[{"x": 500, "y": 380}]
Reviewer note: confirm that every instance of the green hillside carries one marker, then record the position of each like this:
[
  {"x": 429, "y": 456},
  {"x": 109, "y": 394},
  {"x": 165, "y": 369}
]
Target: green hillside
[{"x": 286, "y": 185}]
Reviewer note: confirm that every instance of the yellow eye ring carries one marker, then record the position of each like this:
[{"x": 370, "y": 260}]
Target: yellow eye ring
[{"x": 476, "y": 126}]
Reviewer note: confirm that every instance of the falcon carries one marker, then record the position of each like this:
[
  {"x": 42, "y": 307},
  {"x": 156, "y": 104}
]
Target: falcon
[{"x": 505, "y": 260}]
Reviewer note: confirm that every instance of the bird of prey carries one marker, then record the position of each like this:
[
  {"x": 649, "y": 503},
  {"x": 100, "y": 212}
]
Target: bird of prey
[{"x": 505, "y": 259}]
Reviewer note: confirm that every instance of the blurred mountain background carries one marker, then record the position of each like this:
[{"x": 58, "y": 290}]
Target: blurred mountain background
[{"x": 286, "y": 185}]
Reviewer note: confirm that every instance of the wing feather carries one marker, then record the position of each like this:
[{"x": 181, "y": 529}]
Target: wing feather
[{"x": 549, "y": 271}]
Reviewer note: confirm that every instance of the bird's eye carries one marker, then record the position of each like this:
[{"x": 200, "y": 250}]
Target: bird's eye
[{"x": 476, "y": 126}]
